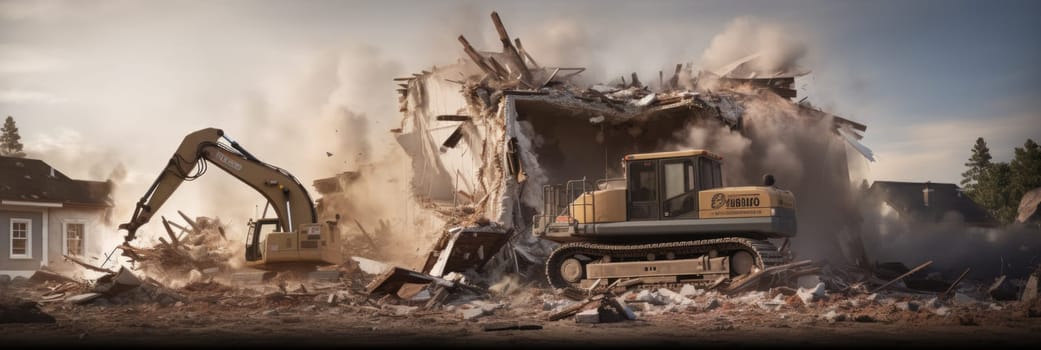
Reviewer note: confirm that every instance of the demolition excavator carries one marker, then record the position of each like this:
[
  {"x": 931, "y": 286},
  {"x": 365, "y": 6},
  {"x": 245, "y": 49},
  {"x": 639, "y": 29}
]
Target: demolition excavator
[
  {"x": 669, "y": 220},
  {"x": 293, "y": 238}
]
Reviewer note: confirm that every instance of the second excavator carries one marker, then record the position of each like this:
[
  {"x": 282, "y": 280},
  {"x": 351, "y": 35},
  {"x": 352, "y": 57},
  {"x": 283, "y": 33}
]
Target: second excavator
[
  {"x": 669, "y": 220},
  {"x": 293, "y": 238}
]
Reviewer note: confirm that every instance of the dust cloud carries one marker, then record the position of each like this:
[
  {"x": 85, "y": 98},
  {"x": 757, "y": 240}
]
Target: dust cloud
[{"x": 778, "y": 49}]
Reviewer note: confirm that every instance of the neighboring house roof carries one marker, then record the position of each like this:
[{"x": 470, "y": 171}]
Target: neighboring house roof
[
  {"x": 909, "y": 198},
  {"x": 32, "y": 180}
]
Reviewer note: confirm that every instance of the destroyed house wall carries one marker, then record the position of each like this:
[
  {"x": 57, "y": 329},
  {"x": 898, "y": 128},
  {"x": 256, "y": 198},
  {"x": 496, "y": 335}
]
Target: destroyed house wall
[{"x": 442, "y": 137}]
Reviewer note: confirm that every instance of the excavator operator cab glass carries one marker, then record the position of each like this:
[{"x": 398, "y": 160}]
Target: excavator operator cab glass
[
  {"x": 257, "y": 236},
  {"x": 667, "y": 188},
  {"x": 643, "y": 189},
  {"x": 679, "y": 198}
]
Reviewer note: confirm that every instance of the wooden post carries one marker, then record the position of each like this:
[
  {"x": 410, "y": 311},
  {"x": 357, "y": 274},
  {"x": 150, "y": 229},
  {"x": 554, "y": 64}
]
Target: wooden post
[
  {"x": 507, "y": 47},
  {"x": 908, "y": 273},
  {"x": 169, "y": 231},
  {"x": 525, "y": 52},
  {"x": 476, "y": 57},
  {"x": 195, "y": 226}
]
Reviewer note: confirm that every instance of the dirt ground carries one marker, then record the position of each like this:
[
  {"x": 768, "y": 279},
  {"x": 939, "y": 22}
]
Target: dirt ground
[{"x": 228, "y": 317}]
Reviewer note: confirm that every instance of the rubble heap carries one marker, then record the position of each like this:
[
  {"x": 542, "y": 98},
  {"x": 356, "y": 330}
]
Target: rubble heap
[{"x": 200, "y": 246}]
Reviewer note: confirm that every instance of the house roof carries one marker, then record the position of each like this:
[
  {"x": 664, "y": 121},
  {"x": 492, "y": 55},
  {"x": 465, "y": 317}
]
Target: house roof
[
  {"x": 909, "y": 199},
  {"x": 32, "y": 180}
]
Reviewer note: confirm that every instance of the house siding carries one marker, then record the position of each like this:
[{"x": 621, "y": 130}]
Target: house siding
[
  {"x": 8, "y": 264},
  {"x": 93, "y": 225}
]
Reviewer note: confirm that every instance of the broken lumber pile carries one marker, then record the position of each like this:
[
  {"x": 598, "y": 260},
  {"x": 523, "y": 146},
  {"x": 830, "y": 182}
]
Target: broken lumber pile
[{"x": 200, "y": 244}]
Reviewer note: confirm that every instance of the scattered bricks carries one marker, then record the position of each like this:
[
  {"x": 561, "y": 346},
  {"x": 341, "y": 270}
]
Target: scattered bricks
[
  {"x": 712, "y": 304},
  {"x": 400, "y": 310},
  {"x": 588, "y": 316},
  {"x": 1034, "y": 311},
  {"x": 43, "y": 275},
  {"x": 623, "y": 309},
  {"x": 326, "y": 276},
  {"x": 331, "y": 299},
  {"x": 649, "y": 297},
  {"x": 82, "y": 298},
  {"x": 471, "y": 313},
  {"x": 832, "y": 316},
  {"x": 908, "y": 306},
  {"x": 784, "y": 290},
  {"x": 504, "y": 326},
  {"x": 934, "y": 303},
  {"x": 675, "y": 298},
  {"x": 691, "y": 291},
  {"x": 1002, "y": 290},
  {"x": 1030, "y": 290},
  {"x": 808, "y": 296},
  {"x": 967, "y": 320},
  {"x": 808, "y": 281},
  {"x": 962, "y": 299},
  {"x": 864, "y": 318},
  {"x": 774, "y": 304}
]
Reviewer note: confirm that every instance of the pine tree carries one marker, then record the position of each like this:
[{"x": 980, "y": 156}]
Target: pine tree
[
  {"x": 993, "y": 192},
  {"x": 978, "y": 164},
  {"x": 9, "y": 140},
  {"x": 1025, "y": 170}
]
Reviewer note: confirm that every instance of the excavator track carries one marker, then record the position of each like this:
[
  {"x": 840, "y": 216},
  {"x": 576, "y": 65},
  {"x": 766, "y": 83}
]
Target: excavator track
[{"x": 765, "y": 255}]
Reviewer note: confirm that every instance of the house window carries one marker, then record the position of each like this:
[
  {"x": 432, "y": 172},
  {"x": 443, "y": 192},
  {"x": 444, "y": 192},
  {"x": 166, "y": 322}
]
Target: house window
[
  {"x": 74, "y": 238},
  {"x": 21, "y": 239}
]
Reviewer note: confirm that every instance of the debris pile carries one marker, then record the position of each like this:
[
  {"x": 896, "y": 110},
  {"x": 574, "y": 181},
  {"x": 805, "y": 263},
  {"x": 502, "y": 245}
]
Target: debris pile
[
  {"x": 486, "y": 133},
  {"x": 190, "y": 251}
]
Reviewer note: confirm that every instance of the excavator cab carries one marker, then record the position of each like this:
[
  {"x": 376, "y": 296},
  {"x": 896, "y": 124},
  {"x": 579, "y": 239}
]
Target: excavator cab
[
  {"x": 257, "y": 234},
  {"x": 666, "y": 186}
]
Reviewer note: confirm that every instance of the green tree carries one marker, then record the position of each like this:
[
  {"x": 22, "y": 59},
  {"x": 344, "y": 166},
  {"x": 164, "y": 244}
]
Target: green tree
[
  {"x": 993, "y": 192},
  {"x": 978, "y": 164},
  {"x": 9, "y": 140},
  {"x": 1025, "y": 170}
]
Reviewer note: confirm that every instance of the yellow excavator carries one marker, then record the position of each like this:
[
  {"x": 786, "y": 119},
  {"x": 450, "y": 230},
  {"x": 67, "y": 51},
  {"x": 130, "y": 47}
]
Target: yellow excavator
[
  {"x": 294, "y": 238},
  {"x": 668, "y": 221}
]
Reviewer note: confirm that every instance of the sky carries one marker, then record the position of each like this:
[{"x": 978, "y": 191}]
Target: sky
[{"x": 94, "y": 84}]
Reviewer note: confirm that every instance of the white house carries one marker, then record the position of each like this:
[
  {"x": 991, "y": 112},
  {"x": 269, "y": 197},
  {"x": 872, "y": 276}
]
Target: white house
[{"x": 45, "y": 214}]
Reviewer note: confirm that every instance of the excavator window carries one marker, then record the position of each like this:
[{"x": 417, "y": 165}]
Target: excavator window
[
  {"x": 710, "y": 176},
  {"x": 257, "y": 236},
  {"x": 643, "y": 190},
  {"x": 678, "y": 177}
]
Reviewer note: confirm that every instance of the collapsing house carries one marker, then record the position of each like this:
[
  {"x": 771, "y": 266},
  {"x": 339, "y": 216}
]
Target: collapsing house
[
  {"x": 487, "y": 132},
  {"x": 931, "y": 202}
]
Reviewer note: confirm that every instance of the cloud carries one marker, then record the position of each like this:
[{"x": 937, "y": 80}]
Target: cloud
[
  {"x": 937, "y": 150},
  {"x": 22, "y": 59},
  {"x": 29, "y": 97}
]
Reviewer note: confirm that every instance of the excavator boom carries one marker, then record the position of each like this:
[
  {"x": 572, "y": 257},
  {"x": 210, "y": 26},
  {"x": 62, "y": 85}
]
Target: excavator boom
[{"x": 286, "y": 195}]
